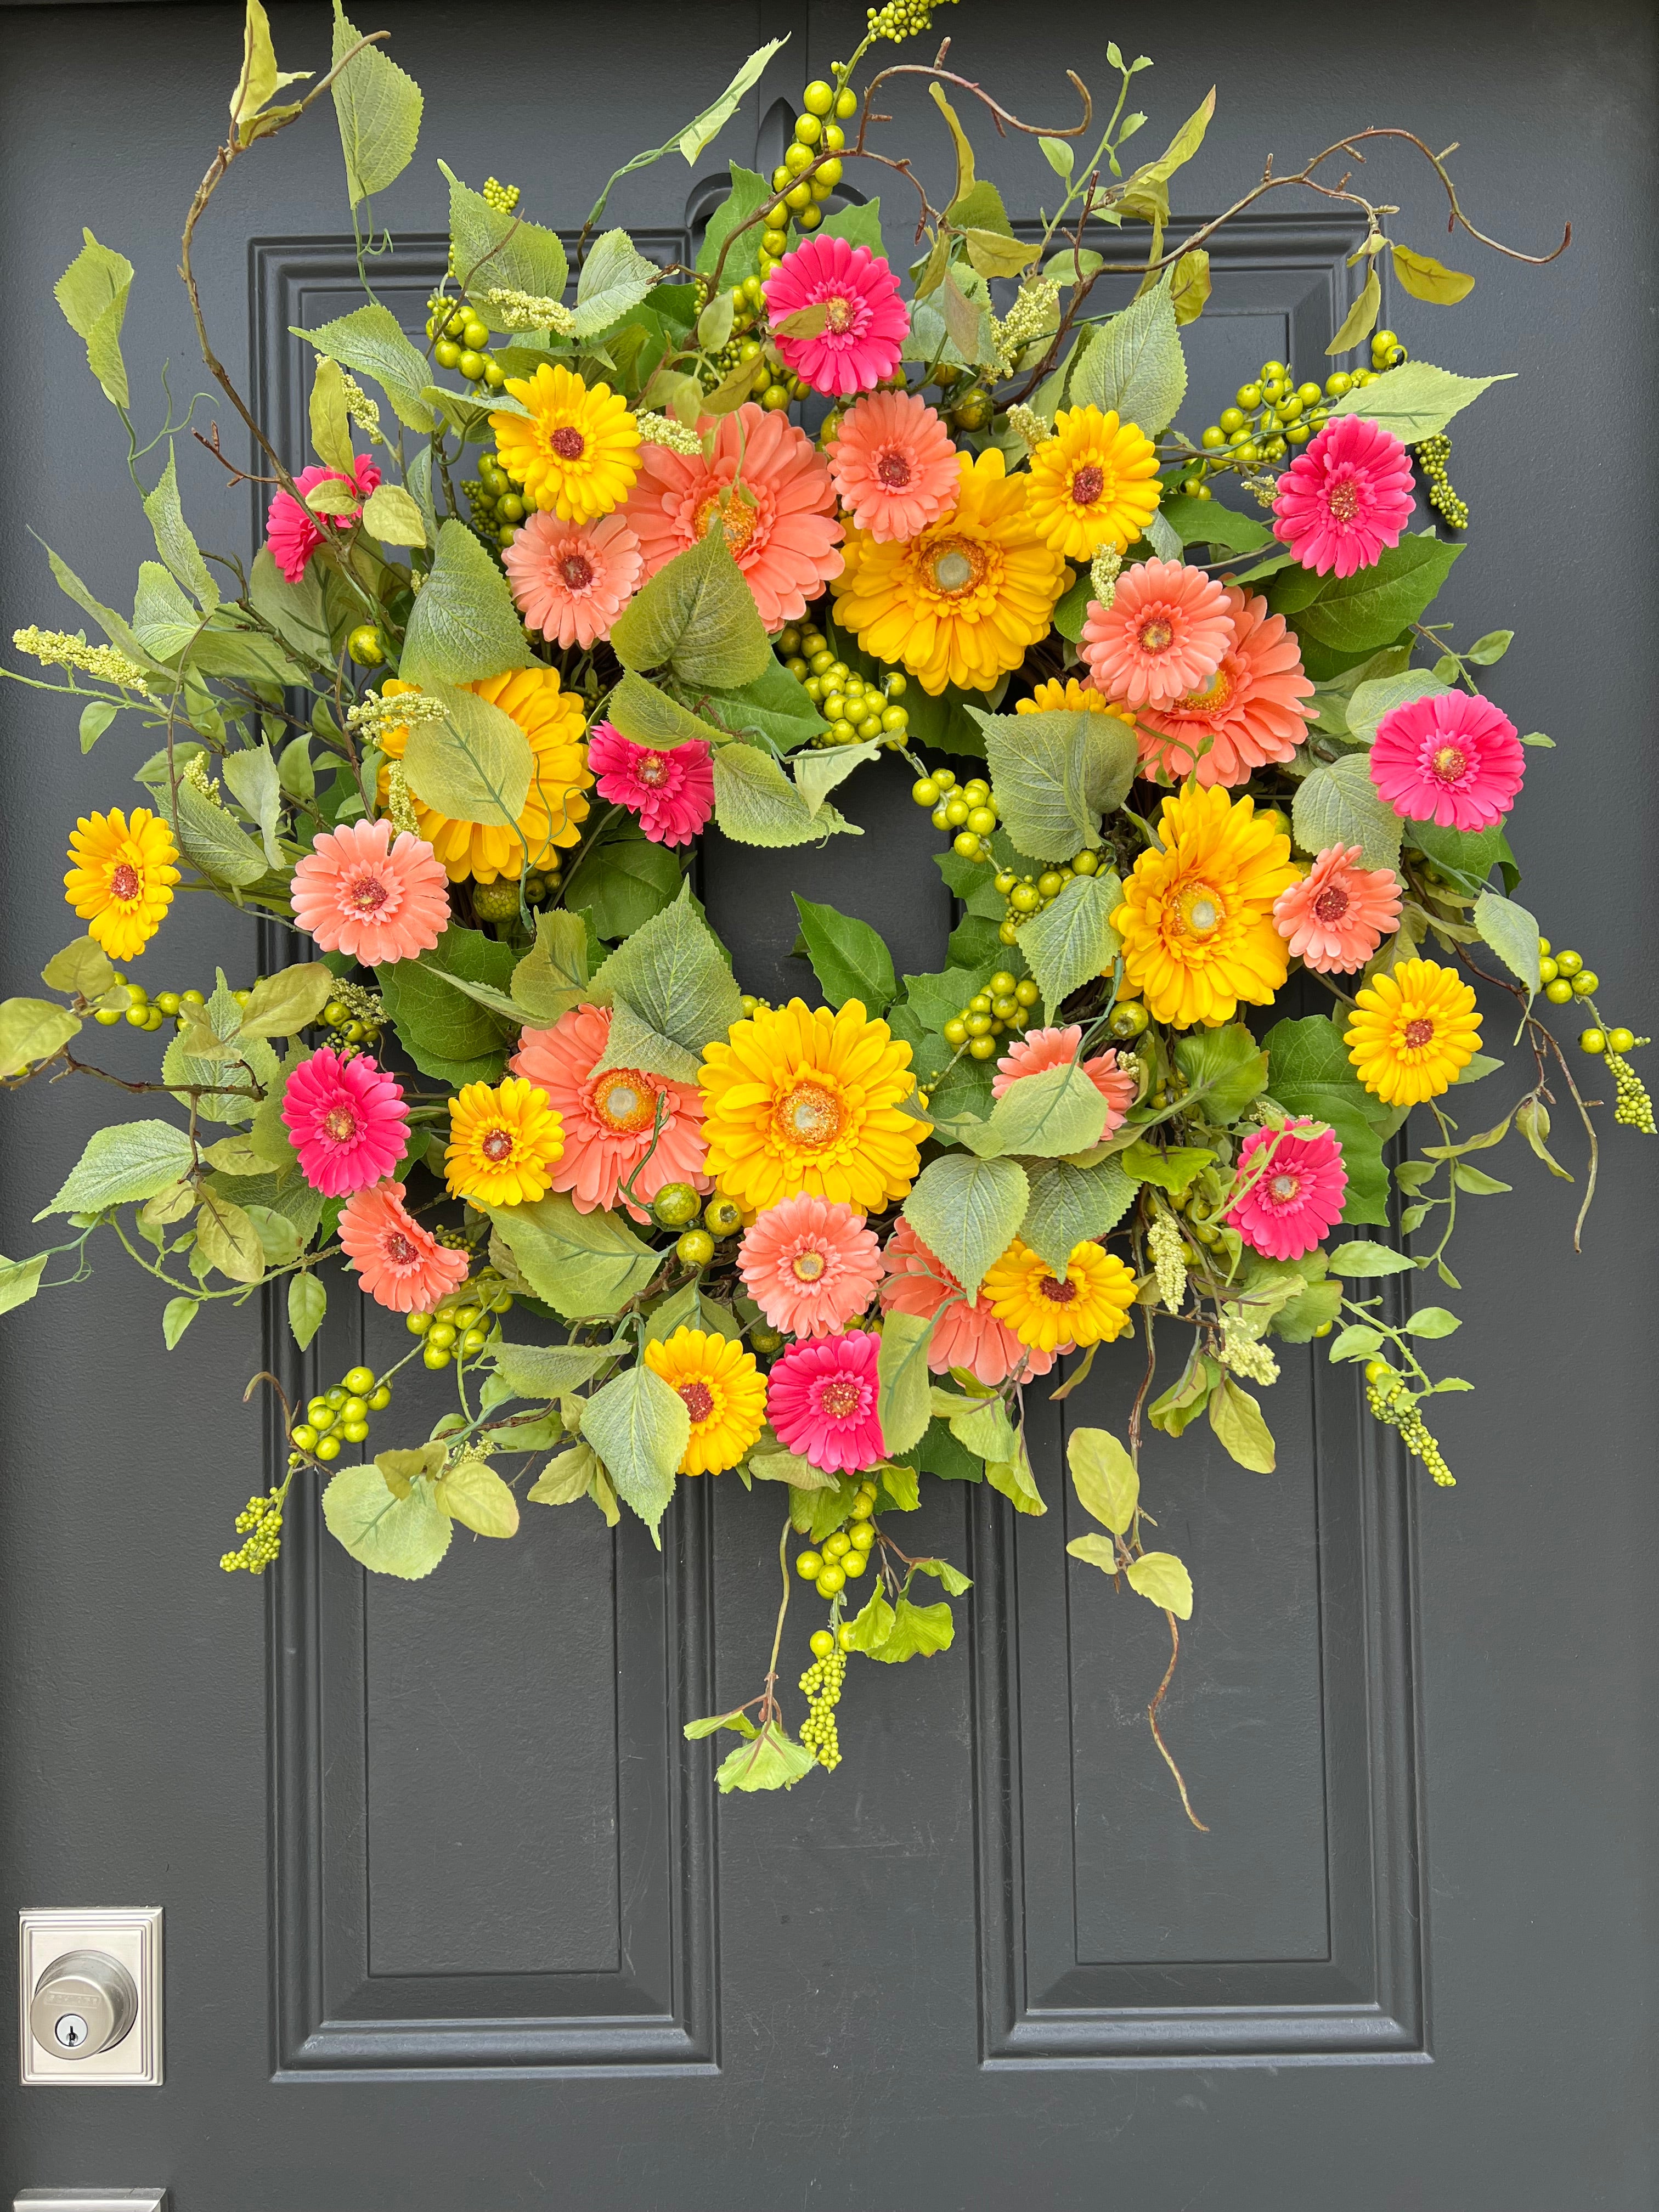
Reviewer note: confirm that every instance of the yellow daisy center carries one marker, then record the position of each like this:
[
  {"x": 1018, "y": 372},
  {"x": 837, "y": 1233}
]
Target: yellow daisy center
[
  {"x": 624, "y": 1100},
  {"x": 955, "y": 566},
  {"x": 1199, "y": 911},
  {"x": 810, "y": 1116},
  {"x": 807, "y": 1266},
  {"x": 698, "y": 1398},
  {"x": 568, "y": 442},
  {"x": 124, "y": 881},
  {"x": 1418, "y": 1033},
  {"x": 1088, "y": 483}
]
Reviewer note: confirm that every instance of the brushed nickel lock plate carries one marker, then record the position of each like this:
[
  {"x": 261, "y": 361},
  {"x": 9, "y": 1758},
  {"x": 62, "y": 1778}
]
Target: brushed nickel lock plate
[{"x": 89, "y": 2006}]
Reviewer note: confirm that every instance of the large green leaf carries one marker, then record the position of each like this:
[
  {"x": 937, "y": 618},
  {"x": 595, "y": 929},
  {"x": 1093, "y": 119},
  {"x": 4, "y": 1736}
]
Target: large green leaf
[
  {"x": 1072, "y": 1206},
  {"x": 905, "y": 1404},
  {"x": 1056, "y": 774},
  {"x": 584, "y": 1266},
  {"x": 1227, "y": 1065},
  {"x": 698, "y": 617},
  {"x": 674, "y": 974},
  {"x": 1370, "y": 701},
  {"x": 1071, "y": 940},
  {"x": 1207, "y": 522},
  {"x": 464, "y": 625},
  {"x": 379, "y": 107},
  {"x": 174, "y": 541},
  {"x": 476, "y": 766},
  {"x": 615, "y": 277},
  {"x": 1103, "y": 1475},
  {"x": 552, "y": 977},
  {"x": 756, "y": 803},
  {"x": 1050, "y": 1116},
  {"x": 1512, "y": 933},
  {"x": 640, "y": 1427},
  {"x": 371, "y": 341},
  {"x": 32, "y": 1029},
  {"x": 92, "y": 294},
  {"x": 1135, "y": 364},
  {"x": 849, "y": 958},
  {"x": 403, "y": 1536},
  {"x": 495, "y": 252},
  {"x": 622, "y": 882},
  {"x": 749, "y": 195},
  {"x": 1358, "y": 613},
  {"x": 1339, "y": 804},
  {"x": 447, "y": 1034},
  {"x": 1309, "y": 1074},
  {"x": 245, "y": 1065},
  {"x": 1416, "y": 400},
  {"x": 122, "y": 1166},
  {"x": 650, "y": 717},
  {"x": 967, "y": 1213}
]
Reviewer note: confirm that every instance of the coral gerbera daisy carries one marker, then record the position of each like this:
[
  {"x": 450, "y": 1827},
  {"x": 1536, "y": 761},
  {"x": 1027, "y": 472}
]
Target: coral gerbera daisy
[
  {"x": 1339, "y": 913},
  {"x": 1039, "y": 1050},
  {"x": 609, "y": 1118},
  {"x": 722, "y": 1388},
  {"x": 809, "y": 1264},
  {"x": 1053, "y": 694},
  {"x": 1092, "y": 1305},
  {"x": 965, "y": 601},
  {"x": 402, "y": 1265},
  {"x": 1412, "y": 1032},
  {"x": 121, "y": 876},
  {"x": 571, "y": 581},
  {"x": 348, "y": 1121},
  {"x": 1345, "y": 498},
  {"x": 554, "y": 808},
  {"x": 1197, "y": 920},
  {"x": 1297, "y": 1184},
  {"x": 781, "y": 526},
  {"x": 1451, "y": 759},
  {"x": 894, "y": 465},
  {"x": 822, "y": 1397},
  {"x": 1164, "y": 634},
  {"x": 966, "y": 1332},
  {"x": 867, "y": 322},
  {"x": 1093, "y": 483},
  {"x": 1251, "y": 709},
  {"x": 503, "y": 1143},
  {"x": 579, "y": 454},
  {"x": 294, "y": 532},
  {"x": 371, "y": 892},
  {"x": 807, "y": 1100},
  {"x": 669, "y": 787}
]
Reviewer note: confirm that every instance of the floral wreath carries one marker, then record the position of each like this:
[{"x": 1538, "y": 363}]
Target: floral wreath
[{"x": 718, "y": 548}]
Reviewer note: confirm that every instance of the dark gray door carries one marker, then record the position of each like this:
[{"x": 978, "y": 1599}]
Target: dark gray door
[{"x": 453, "y": 1918}]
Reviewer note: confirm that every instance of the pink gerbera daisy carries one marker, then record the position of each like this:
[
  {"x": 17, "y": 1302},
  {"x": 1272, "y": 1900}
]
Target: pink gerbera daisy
[
  {"x": 1164, "y": 634},
  {"x": 1335, "y": 918},
  {"x": 610, "y": 1117},
  {"x": 821, "y": 1398},
  {"x": 781, "y": 526},
  {"x": 967, "y": 1333},
  {"x": 294, "y": 532},
  {"x": 356, "y": 891},
  {"x": 1297, "y": 1191},
  {"x": 859, "y": 346},
  {"x": 894, "y": 465},
  {"x": 1250, "y": 710},
  {"x": 810, "y": 1265},
  {"x": 1346, "y": 498},
  {"x": 670, "y": 789},
  {"x": 1039, "y": 1050},
  {"x": 571, "y": 579},
  {"x": 348, "y": 1121},
  {"x": 1452, "y": 759},
  {"x": 403, "y": 1266}
]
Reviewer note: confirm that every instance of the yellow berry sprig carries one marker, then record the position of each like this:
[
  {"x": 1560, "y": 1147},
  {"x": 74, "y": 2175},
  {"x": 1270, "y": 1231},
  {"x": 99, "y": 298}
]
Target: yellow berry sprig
[
  {"x": 853, "y": 708},
  {"x": 1004, "y": 1004},
  {"x": 821, "y": 1685},
  {"x": 461, "y": 1325},
  {"x": 1392, "y": 1399},
  {"x": 1272, "y": 412}
]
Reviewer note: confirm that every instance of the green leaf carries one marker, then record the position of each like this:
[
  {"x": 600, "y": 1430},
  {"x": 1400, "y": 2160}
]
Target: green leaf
[
  {"x": 476, "y": 766},
  {"x": 211, "y": 837},
  {"x": 471, "y": 1492},
  {"x": 749, "y": 195},
  {"x": 1355, "y": 1342},
  {"x": 1237, "y": 1419},
  {"x": 331, "y": 435},
  {"x": 674, "y": 974},
  {"x": 1432, "y": 1321},
  {"x": 494, "y": 252},
  {"x": 256, "y": 786},
  {"x": 627, "y": 880},
  {"x": 446, "y": 1035},
  {"x": 849, "y": 958},
  {"x": 391, "y": 515},
  {"x": 1469, "y": 856},
  {"x": 967, "y": 1213},
  {"x": 307, "y": 1302},
  {"x": 773, "y": 1761},
  {"x": 872, "y": 1627},
  {"x": 295, "y": 611},
  {"x": 859, "y": 225},
  {"x": 92, "y": 294},
  {"x": 1358, "y": 613},
  {"x": 228, "y": 1239},
  {"x": 566, "y": 1479},
  {"x": 1490, "y": 648},
  {"x": 1416, "y": 400},
  {"x": 1099, "y": 1552},
  {"x": 905, "y": 1405},
  {"x": 1207, "y": 522},
  {"x": 550, "y": 978},
  {"x": 756, "y": 803},
  {"x": 584, "y": 1266},
  {"x": 699, "y": 135},
  {"x": 174, "y": 541},
  {"x": 1338, "y": 804},
  {"x": 118, "y": 631},
  {"x": 815, "y": 1511},
  {"x": 1369, "y": 702},
  {"x": 1071, "y": 940},
  {"x": 1185, "y": 1400},
  {"x": 819, "y": 770},
  {"x": 1512, "y": 933},
  {"x": 371, "y": 341},
  {"x": 402, "y": 1536},
  {"x": 260, "y": 80},
  {"x": 176, "y": 1317},
  {"x": 1072, "y": 1206},
  {"x": 1161, "y": 1577},
  {"x": 1135, "y": 364},
  {"x": 1055, "y": 775},
  {"x": 1361, "y": 319},
  {"x": 615, "y": 277},
  {"x": 1103, "y": 1475},
  {"x": 1227, "y": 1065},
  {"x": 915, "y": 1630},
  {"x": 464, "y": 625},
  {"x": 1059, "y": 155},
  {"x": 1173, "y": 1167},
  {"x": 1476, "y": 1182},
  {"x": 32, "y": 1029},
  {"x": 640, "y": 1428},
  {"x": 1362, "y": 1259},
  {"x": 633, "y": 1043},
  {"x": 1050, "y": 1114},
  {"x": 83, "y": 969},
  {"x": 549, "y": 1370},
  {"x": 773, "y": 707},
  {"x": 95, "y": 719},
  {"x": 698, "y": 617},
  {"x": 379, "y": 107},
  {"x": 284, "y": 1004},
  {"x": 122, "y": 1166},
  {"x": 1425, "y": 278},
  {"x": 1309, "y": 1074},
  {"x": 956, "y": 1582},
  {"x": 738, "y": 1721},
  {"x": 279, "y": 1238}
]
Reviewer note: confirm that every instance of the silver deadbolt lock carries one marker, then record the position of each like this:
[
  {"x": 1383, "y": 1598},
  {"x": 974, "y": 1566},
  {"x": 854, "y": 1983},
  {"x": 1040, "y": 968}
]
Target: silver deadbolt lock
[{"x": 84, "y": 2002}]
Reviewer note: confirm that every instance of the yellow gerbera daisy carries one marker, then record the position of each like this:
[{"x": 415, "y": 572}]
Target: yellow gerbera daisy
[
  {"x": 121, "y": 879},
  {"x": 501, "y": 1143},
  {"x": 1091, "y": 1306},
  {"x": 725, "y": 1394},
  {"x": 1197, "y": 919},
  {"x": 580, "y": 454},
  {"x": 554, "y": 810},
  {"x": 1051, "y": 695},
  {"x": 1412, "y": 1032},
  {"x": 803, "y": 1100},
  {"x": 963, "y": 602},
  {"x": 1093, "y": 483}
]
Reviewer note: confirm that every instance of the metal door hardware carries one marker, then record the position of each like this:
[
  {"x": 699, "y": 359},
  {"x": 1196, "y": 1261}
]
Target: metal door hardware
[
  {"x": 90, "y": 2007},
  {"x": 91, "y": 2200}
]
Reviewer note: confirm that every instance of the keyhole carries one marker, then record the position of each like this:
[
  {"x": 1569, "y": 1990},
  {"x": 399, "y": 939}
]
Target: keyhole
[{"x": 71, "y": 2030}]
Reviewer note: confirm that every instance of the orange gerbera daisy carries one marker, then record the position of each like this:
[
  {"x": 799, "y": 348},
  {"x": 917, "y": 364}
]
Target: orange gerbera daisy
[{"x": 1249, "y": 711}]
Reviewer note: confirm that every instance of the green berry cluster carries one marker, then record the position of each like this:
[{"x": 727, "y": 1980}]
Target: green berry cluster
[
  {"x": 677, "y": 1202},
  {"x": 499, "y": 902},
  {"x": 853, "y": 708},
  {"x": 260, "y": 1524},
  {"x": 504, "y": 198},
  {"x": 1564, "y": 978},
  {"x": 1431, "y": 457},
  {"x": 356, "y": 1016},
  {"x": 770, "y": 382},
  {"x": 1633, "y": 1108},
  {"x": 1028, "y": 894},
  {"x": 844, "y": 1555},
  {"x": 1004, "y": 1004},
  {"x": 821, "y": 1685},
  {"x": 970, "y": 812},
  {"x": 1273, "y": 413},
  {"x": 460, "y": 1326},
  {"x": 339, "y": 1416},
  {"x": 463, "y": 343},
  {"x": 810, "y": 168},
  {"x": 1390, "y": 1400},
  {"x": 901, "y": 19},
  {"x": 497, "y": 508}
]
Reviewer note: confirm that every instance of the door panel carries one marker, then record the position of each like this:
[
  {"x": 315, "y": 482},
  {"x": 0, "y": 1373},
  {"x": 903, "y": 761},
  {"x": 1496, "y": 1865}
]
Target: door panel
[{"x": 453, "y": 1917}]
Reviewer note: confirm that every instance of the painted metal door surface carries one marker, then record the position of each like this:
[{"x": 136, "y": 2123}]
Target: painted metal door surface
[{"x": 452, "y": 1916}]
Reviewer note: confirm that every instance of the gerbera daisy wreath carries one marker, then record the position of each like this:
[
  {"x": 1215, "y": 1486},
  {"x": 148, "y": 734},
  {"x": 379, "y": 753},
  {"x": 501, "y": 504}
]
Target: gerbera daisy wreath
[{"x": 637, "y": 549}]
